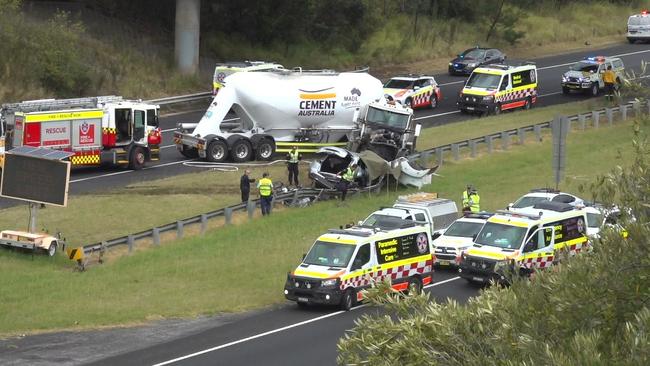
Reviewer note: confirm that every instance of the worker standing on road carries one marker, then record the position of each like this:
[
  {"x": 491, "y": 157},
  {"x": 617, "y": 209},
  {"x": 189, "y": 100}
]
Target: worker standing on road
[
  {"x": 347, "y": 177},
  {"x": 471, "y": 200},
  {"x": 245, "y": 185},
  {"x": 293, "y": 158},
  {"x": 609, "y": 78},
  {"x": 265, "y": 185}
]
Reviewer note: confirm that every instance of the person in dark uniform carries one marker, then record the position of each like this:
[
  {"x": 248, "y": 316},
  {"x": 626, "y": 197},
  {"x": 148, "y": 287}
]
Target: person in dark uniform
[{"x": 245, "y": 185}]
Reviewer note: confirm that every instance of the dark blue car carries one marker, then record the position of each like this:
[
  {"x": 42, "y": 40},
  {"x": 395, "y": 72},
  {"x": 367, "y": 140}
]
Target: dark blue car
[{"x": 472, "y": 58}]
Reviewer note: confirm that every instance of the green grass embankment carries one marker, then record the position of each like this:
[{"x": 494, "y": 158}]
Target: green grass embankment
[{"x": 244, "y": 266}]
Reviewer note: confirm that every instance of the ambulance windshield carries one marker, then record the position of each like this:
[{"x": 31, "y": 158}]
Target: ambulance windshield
[
  {"x": 501, "y": 236},
  {"x": 387, "y": 118},
  {"x": 329, "y": 254},
  {"x": 485, "y": 81}
]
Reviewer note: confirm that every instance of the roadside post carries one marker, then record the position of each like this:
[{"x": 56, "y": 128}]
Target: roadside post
[{"x": 560, "y": 129}]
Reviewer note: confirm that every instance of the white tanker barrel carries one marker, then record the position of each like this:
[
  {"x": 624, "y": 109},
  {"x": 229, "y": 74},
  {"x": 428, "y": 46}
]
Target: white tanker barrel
[{"x": 282, "y": 103}]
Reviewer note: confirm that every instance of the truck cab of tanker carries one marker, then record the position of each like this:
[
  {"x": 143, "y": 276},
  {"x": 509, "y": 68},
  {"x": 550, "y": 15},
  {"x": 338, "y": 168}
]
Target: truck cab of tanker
[{"x": 387, "y": 128}]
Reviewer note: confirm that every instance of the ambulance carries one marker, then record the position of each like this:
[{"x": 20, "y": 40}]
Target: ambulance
[
  {"x": 495, "y": 88},
  {"x": 524, "y": 241},
  {"x": 344, "y": 262}
]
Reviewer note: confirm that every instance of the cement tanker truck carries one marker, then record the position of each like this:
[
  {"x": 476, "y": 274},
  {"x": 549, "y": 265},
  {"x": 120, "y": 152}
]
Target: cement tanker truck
[{"x": 280, "y": 108}]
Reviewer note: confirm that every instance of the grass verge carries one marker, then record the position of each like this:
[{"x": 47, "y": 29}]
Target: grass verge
[{"x": 244, "y": 266}]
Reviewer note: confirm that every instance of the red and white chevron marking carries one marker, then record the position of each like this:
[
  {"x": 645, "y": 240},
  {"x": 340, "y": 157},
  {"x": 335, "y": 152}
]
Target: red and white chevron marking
[{"x": 393, "y": 274}]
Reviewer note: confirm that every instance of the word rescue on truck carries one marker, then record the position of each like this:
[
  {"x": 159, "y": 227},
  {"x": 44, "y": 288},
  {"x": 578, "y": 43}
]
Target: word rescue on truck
[
  {"x": 342, "y": 263},
  {"x": 495, "y": 88},
  {"x": 525, "y": 241}
]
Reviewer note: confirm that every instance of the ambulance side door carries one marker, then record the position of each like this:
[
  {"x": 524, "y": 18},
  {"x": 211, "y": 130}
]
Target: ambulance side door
[
  {"x": 363, "y": 260},
  {"x": 538, "y": 251}
]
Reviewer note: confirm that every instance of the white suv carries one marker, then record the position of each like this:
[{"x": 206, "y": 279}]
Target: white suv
[
  {"x": 458, "y": 237},
  {"x": 587, "y": 75},
  {"x": 638, "y": 27},
  {"x": 544, "y": 194}
]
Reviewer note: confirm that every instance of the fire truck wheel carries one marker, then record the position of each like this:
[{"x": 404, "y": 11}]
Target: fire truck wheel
[
  {"x": 217, "y": 151},
  {"x": 242, "y": 151},
  {"x": 415, "y": 286},
  {"x": 137, "y": 159},
  {"x": 347, "y": 301},
  {"x": 265, "y": 150},
  {"x": 51, "y": 251}
]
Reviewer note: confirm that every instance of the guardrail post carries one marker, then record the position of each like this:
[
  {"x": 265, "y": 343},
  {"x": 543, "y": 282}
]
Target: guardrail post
[
  {"x": 505, "y": 140},
  {"x": 582, "y": 121},
  {"x": 472, "y": 148},
  {"x": 130, "y": 241},
  {"x": 636, "y": 107},
  {"x": 179, "y": 229},
  {"x": 595, "y": 117},
  {"x": 204, "y": 223},
  {"x": 227, "y": 213},
  {"x": 250, "y": 207},
  {"x": 439, "y": 156},
  {"x": 455, "y": 153},
  {"x": 609, "y": 113},
  {"x": 648, "y": 107},
  {"x": 489, "y": 143},
  {"x": 155, "y": 234},
  {"x": 521, "y": 133},
  {"x": 537, "y": 129},
  {"x": 567, "y": 121},
  {"x": 623, "y": 109}
]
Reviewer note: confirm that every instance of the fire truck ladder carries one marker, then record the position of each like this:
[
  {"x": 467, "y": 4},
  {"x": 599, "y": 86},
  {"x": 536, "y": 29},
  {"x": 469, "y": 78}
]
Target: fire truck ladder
[{"x": 60, "y": 104}]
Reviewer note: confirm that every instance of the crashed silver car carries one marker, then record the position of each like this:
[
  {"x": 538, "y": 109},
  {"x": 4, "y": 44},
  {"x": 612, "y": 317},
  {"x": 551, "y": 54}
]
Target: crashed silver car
[{"x": 371, "y": 169}]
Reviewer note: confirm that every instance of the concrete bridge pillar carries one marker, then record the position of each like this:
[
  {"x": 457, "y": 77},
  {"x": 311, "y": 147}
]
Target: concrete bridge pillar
[{"x": 188, "y": 21}]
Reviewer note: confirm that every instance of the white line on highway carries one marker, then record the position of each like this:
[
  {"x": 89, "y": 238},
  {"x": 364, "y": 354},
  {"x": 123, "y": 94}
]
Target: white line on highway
[
  {"x": 279, "y": 330},
  {"x": 131, "y": 171}
]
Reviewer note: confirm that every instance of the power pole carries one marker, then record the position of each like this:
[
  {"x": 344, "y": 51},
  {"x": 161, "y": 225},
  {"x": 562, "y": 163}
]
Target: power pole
[{"x": 187, "y": 29}]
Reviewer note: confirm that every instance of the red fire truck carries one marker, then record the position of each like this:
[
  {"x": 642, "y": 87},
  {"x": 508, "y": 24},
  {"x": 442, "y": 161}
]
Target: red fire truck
[{"x": 98, "y": 130}]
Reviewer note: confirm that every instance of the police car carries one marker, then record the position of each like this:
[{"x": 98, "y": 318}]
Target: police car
[
  {"x": 457, "y": 238},
  {"x": 222, "y": 70},
  {"x": 587, "y": 75},
  {"x": 413, "y": 91},
  {"x": 638, "y": 27}
]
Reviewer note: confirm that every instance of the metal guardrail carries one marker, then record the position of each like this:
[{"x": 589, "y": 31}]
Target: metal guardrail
[
  {"x": 505, "y": 136},
  {"x": 180, "y": 98}
]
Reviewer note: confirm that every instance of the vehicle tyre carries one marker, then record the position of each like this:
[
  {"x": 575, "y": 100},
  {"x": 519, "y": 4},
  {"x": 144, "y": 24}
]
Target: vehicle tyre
[
  {"x": 302, "y": 305},
  {"x": 415, "y": 286},
  {"x": 594, "y": 90},
  {"x": 348, "y": 299},
  {"x": 496, "y": 110},
  {"x": 217, "y": 151},
  {"x": 433, "y": 101},
  {"x": 527, "y": 104},
  {"x": 137, "y": 158},
  {"x": 189, "y": 152},
  {"x": 51, "y": 251},
  {"x": 631, "y": 40},
  {"x": 265, "y": 149},
  {"x": 408, "y": 103},
  {"x": 565, "y": 90},
  {"x": 242, "y": 151}
]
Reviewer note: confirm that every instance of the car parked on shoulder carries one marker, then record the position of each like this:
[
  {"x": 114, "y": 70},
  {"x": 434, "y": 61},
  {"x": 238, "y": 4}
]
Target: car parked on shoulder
[
  {"x": 472, "y": 58},
  {"x": 413, "y": 91}
]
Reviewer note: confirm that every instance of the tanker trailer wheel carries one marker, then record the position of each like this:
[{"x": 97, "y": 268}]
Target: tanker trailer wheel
[
  {"x": 265, "y": 149},
  {"x": 242, "y": 151},
  {"x": 217, "y": 151},
  {"x": 137, "y": 158}
]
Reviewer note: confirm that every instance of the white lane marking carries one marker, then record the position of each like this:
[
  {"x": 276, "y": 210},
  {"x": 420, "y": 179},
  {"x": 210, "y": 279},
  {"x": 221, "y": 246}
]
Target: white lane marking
[
  {"x": 278, "y": 330},
  {"x": 436, "y": 115},
  {"x": 131, "y": 171}
]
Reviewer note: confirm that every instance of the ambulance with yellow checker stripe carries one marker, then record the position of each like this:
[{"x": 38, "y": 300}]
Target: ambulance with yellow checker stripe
[
  {"x": 524, "y": 241},
  {"x": 342, "y": 263},
  {"x": 495, "y": 88}
]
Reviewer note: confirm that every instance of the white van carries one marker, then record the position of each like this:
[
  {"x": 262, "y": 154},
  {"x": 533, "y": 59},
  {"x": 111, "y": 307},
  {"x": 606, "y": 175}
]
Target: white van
[{"x": 638, "y": 27}]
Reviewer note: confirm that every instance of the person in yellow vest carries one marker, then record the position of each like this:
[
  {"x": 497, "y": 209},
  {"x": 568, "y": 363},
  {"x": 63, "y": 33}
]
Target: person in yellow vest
[
  {"x": 265, "y": 186},
  {"x": 609, "y": 79},
  {"x": 293, "y": 159},
  {"x": 471, "y": 200},
  {"x": 347, "y": 178}
]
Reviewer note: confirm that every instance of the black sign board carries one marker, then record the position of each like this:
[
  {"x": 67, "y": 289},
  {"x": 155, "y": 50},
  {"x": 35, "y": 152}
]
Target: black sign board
[
  {"x": 35, "y": 179},
  {"x": 402, "y": 247}
]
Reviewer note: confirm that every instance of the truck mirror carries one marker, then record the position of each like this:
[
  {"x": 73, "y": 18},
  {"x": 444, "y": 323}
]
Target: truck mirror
[
  {"x": 435, "y": 235},
  {"x": 303, "y": 256},
  {"x": 360, "y": 223},
  {"x": 418, "y": 129}
]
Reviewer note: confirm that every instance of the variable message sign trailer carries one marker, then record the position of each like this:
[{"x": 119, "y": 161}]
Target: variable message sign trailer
[{"x": 40, "y": 177}]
